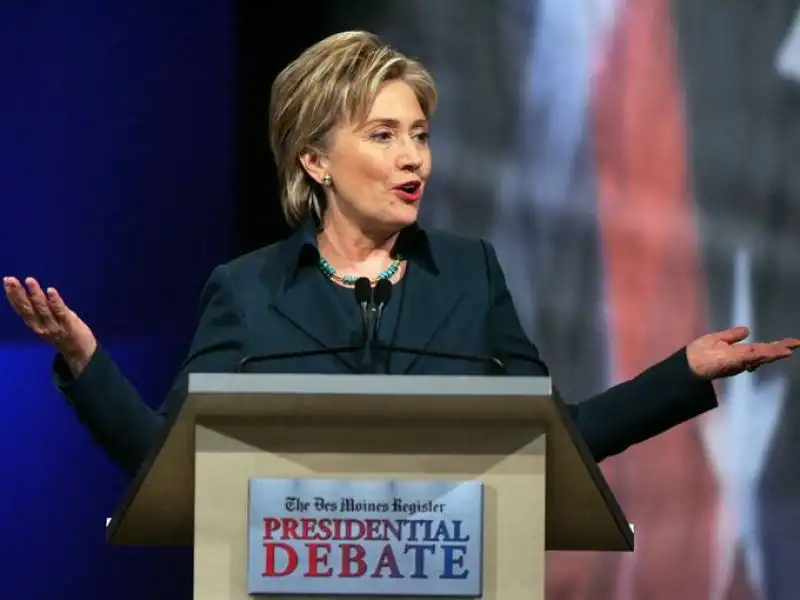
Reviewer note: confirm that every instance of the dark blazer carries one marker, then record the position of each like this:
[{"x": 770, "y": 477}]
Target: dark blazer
[{"x": 455, "y": 300}]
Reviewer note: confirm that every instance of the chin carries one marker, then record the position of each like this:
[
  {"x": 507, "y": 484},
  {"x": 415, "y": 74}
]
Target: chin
[
  {"x": 406, "y": 215},
  {"x": 398, "y": 217}
]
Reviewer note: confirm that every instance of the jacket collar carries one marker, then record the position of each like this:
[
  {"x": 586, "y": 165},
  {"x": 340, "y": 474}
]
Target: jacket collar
[
  {"x": 295, "y": 299},
  {"x": 301, "y": 249}
]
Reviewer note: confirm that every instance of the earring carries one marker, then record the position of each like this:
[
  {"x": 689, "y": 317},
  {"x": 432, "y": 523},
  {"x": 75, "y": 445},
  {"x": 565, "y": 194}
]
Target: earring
[{"x": 327, "y": 180}]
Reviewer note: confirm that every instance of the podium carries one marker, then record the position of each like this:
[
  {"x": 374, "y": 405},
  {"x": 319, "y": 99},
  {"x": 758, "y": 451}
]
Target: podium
[{"x": 542, "y": 489}]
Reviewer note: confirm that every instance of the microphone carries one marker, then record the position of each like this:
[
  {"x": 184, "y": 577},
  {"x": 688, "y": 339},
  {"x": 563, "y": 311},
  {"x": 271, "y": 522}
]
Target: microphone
[
  {"x": 382, "y": 294},
  {"x": 363, "y": 293}
]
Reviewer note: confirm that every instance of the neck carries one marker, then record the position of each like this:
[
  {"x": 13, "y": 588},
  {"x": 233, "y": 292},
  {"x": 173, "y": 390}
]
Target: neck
[{"x": 348, "y": 246}]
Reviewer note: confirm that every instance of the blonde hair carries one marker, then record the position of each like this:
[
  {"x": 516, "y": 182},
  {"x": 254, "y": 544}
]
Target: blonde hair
[{"x": 334, "y": 81}]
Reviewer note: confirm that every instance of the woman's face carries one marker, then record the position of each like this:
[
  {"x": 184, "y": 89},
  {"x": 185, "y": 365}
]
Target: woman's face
[{"x": 379, "y": 168}]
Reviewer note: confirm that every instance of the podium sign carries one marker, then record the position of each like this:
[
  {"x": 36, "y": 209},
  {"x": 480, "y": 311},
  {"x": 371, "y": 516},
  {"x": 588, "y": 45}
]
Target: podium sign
[{"x": 310, "y": 536}]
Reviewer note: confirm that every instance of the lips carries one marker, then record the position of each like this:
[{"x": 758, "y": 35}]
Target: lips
[{"x": 410, "y": 190}]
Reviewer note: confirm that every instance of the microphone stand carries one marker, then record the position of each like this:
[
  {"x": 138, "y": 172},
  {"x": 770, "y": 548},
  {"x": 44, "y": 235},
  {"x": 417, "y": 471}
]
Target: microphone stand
[
  {"x": 363, "y": 294},
  {"x": 490, "y": 360},
  {"x": 364, "y": 297},
  {"x": 302, "y": 354}
]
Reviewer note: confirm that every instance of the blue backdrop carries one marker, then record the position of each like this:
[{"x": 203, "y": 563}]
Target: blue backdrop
[{"x": 116, "y": 186}]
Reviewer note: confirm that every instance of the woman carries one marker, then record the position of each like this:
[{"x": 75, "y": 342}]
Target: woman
[{"x": 349, "y": 132}]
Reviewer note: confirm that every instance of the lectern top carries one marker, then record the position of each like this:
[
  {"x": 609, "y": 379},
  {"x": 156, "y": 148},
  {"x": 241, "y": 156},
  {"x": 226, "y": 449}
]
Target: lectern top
[
  {"x": 369, "y": 396},
  {"x": 402, "y": 385}
]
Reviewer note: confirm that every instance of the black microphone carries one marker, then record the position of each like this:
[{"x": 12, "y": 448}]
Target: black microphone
[
  {"x": 382, "y": 295},
  {"x": 363, "y": 293}
]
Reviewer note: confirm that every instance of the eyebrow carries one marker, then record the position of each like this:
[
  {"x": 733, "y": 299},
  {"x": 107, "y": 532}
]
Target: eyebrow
[{"x": 394, "y": 123}]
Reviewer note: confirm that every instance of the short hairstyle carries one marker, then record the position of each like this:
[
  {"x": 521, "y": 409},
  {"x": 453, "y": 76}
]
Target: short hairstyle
[{"x": 333, "y": 81}]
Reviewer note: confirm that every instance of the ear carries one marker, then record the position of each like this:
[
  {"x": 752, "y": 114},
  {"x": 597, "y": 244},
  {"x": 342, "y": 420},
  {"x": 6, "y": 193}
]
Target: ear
[{"x": 315, "y": 164}]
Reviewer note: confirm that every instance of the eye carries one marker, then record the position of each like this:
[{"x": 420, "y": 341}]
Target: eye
[
  {"x": 381, "y": 136},
  {"x": 422, "y": 137}
]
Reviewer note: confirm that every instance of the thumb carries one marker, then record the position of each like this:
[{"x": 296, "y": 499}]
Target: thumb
[{"x": 733, "y": 335}]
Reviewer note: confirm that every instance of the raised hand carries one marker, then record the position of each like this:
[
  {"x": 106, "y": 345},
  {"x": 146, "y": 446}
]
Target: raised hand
[
  {"x": 51, "y": 319},
  {"x": 720, "y": 354}
]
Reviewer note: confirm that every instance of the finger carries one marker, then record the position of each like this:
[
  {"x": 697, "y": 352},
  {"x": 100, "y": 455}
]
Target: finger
[
  {"x": 761, "y": 362},
  {"x": 57, "y": 305},
  {"x": 39, "y": 302},
  {"x": 750, "y": 354},
  {"x": 9, "y": 282},
  {"x": 20, "y": 302},
  {"x": 790, "y": 343},
  {"x": 780, "y": 349},
  {"x": 764, "y": 361},
  {"x": 733, "y": 335},
  {"x": 9, "y": 285}
]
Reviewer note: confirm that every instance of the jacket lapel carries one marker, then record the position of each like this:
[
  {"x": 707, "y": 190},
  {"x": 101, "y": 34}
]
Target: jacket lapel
[
  {"x": 316, "y": 316},
  {"x": 299, "y": 296},
  {"x": 431, "y": 297}
]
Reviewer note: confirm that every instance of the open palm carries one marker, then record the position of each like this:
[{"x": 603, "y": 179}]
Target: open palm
[
  {"x": 720, "y": 354},
  {"x": 47, "y": 315}
]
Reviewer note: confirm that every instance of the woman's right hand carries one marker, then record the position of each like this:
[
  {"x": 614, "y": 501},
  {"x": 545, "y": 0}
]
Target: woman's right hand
[{"x": 52, "y": 320}]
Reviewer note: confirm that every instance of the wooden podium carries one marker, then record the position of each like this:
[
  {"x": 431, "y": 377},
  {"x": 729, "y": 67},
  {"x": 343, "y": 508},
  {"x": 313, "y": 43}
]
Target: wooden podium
[{"x": 543, "y": 490}]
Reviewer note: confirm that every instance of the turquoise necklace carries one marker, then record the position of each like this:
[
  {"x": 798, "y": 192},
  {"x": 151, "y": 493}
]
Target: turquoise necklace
[{"x": 331, "y": 273}]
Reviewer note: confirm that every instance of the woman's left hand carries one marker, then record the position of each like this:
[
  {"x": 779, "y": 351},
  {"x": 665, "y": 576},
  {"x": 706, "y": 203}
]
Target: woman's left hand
[{"x": 719, "y": 354}]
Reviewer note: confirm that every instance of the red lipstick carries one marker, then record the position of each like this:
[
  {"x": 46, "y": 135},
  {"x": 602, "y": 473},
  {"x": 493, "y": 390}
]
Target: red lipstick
[{"x": 410, "y": 191}]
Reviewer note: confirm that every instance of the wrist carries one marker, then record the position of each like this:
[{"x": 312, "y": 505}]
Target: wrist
[
  {"x": 77, "y": 359},
  {"x": 691, "y": 363}
]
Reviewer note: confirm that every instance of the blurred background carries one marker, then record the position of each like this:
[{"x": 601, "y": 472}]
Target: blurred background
[{"x": 631, "y": 160}]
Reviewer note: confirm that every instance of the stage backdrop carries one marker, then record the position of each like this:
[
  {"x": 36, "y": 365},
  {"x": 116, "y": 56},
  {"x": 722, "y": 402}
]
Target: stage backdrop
[
  {"x": 635, "y": 164},
  {"x": 115, "y": 186}
]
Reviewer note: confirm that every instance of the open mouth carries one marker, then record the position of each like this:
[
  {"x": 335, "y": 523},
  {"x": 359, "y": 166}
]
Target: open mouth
[
  {"x": 409, "y": 188},
  {"x": 410, "y": 191}
]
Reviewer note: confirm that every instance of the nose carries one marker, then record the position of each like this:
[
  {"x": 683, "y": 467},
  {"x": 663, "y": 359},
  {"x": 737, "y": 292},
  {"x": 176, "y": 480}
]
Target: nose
[{"x": 410, "y": 157}]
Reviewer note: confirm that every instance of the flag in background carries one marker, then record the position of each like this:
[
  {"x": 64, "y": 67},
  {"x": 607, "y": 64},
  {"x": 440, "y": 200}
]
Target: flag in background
[{"x": 656, "y": 302}]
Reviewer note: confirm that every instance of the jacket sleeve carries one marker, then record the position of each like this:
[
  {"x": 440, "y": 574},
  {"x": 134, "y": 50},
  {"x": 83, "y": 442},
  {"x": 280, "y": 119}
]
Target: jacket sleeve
[
  {"x": 663, "y": 396},
  {"x": 109, "y": 405}
]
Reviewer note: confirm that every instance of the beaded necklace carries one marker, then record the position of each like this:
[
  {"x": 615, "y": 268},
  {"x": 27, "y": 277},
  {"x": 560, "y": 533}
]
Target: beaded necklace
[{"x": 350, "y": 280}]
